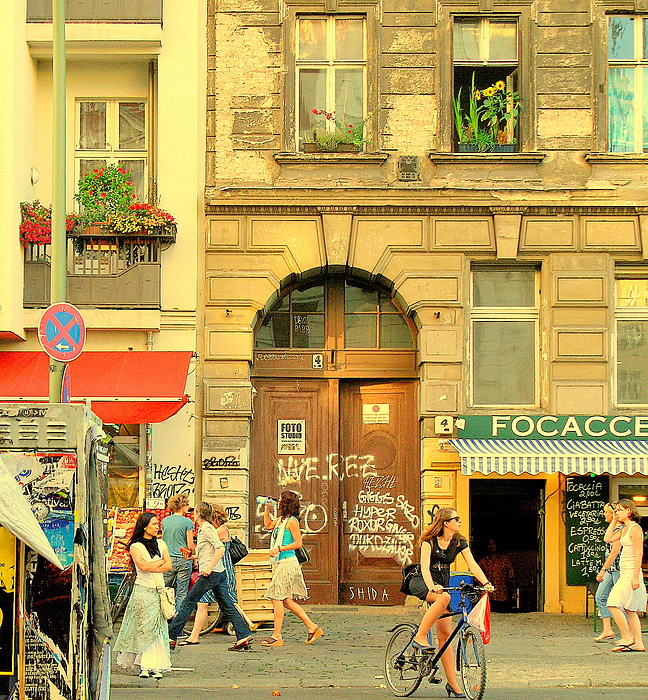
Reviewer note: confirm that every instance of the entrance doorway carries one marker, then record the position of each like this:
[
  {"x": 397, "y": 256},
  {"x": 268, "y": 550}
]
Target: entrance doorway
[
  {"x": 510, "y": 512},
  {"x": 356, "y": 467}
]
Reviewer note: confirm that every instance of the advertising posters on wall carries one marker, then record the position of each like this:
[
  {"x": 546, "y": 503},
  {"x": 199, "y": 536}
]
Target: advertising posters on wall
[{"x": 7, "y": 601}]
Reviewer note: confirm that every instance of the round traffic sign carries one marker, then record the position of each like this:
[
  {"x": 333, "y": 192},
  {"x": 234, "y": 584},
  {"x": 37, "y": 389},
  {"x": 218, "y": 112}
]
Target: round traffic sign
[{"x": 62, "y": 332}]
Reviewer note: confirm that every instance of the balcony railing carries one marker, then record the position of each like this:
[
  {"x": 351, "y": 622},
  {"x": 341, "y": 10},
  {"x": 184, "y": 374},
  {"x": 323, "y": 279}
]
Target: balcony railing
[
  {"x": 108, "y": 272},
  {"x": 136, "y": 11}
]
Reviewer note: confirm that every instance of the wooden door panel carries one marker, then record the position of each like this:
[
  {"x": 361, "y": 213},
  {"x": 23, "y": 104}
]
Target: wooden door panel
[
  {"x": 379, "y": 490},
  {"x": 313, "y": 475}
]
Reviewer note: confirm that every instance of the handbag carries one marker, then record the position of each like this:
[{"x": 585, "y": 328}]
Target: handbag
[
  {"x": 237, "y": 550},
  {"x": 303, "y": 557},
  {"x": 409, "y": 572},
  {"x": 167, "y": 601}
]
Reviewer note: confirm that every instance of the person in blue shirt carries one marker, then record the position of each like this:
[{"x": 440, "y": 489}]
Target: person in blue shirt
[{"x": 177, "y": 532}]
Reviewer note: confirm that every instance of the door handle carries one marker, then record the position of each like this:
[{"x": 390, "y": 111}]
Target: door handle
[{"x": 345, "y": 514}]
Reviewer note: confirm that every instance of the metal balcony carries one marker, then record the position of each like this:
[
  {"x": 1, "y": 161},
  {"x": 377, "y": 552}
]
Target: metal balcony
[{"x": 96, "y": 11}]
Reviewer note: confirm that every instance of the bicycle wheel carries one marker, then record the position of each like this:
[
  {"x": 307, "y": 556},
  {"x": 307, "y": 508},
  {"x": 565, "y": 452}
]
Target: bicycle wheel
[
  {"x": 122, "y": 595},
  {"x": 471, "y": 662},
  {"x": 213, "y": 615},
  {"x": 403, "y": 669}
]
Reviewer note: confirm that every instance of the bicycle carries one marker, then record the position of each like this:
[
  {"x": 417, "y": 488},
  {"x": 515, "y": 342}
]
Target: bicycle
[
  {"x": 119, "y": 602},
  {"x": 405, "y": 666}
]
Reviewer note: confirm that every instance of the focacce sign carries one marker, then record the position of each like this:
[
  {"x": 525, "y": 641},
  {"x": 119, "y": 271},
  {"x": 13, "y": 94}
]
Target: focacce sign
[{"x": 541, "y": 427}]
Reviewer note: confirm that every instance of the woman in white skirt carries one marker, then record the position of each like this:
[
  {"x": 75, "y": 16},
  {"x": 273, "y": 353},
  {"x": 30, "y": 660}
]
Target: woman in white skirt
[
  {"x": 143, "y": 640},
  {"x": 628, "y": 596},
  {"x": 287, "y": 579}
]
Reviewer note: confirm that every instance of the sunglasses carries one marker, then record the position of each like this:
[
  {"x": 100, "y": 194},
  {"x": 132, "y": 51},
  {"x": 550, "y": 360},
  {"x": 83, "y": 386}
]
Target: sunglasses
[{"x": 456, "y": 517}]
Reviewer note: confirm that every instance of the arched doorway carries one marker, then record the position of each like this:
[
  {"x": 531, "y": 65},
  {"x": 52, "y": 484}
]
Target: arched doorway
[{"x": 336, "y": 419}]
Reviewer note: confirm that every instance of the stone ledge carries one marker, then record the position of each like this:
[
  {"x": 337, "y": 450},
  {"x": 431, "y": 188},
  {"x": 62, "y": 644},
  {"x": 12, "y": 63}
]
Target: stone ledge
[
  {"x": 331, "y": 158},
  {"x": 490, "y": 158},
  {"x": 617, "y": 158}
]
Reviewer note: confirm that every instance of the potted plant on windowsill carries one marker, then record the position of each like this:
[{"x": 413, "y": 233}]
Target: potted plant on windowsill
[
  {"x": 333, "y": 136},
  {"x": 488, "y": 125}
]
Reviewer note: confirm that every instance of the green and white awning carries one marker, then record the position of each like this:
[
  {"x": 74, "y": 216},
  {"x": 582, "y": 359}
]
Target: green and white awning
[{"x": 491, "y": 456}]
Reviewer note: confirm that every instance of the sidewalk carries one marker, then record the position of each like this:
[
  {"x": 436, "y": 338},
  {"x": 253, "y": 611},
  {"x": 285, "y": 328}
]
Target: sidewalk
[{"x": 528, "y": 650}]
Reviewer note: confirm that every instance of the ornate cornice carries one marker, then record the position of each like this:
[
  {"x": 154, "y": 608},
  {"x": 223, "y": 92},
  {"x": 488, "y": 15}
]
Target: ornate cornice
[{"x": 467, "y": 210}]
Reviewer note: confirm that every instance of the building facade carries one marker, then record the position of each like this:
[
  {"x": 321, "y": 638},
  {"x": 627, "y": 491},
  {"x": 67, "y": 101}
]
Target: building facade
[
  {"x": 129, "y": 66},
  {"x": 426, "y": 231}
]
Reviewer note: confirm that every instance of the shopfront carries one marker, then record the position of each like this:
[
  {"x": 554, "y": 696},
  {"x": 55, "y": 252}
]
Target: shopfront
[{"x": 537, "y": 484}]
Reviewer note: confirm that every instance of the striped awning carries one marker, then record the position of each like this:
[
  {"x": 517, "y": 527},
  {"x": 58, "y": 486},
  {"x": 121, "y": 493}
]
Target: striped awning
[{"x": 491, "y": 456}]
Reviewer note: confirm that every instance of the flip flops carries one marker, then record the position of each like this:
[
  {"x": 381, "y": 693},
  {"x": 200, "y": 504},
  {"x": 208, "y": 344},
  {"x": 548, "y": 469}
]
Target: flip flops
[
  {"x": 623, "y": 648},
  {"x": 186, "y": 643},
  {"x": 601, "y": 639},
  {"x": 312, "y": 636},
  {"x": 272, "y": 642}
]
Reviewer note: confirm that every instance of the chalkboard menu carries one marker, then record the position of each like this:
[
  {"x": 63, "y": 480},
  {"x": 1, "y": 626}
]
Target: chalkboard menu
[{"x": 585, "y": 526}]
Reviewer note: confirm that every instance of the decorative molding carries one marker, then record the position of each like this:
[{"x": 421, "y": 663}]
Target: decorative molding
[
  {"x": 617, "y": 158},
  {"x": 464, "y": 210}
]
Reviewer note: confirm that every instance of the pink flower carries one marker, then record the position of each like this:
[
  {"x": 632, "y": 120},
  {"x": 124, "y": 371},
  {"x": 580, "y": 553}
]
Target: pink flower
[{"x": 315, "y": 111}]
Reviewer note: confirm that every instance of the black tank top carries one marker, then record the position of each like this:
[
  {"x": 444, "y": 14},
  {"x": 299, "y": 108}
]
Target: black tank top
[{"x": 440, "y": 559}]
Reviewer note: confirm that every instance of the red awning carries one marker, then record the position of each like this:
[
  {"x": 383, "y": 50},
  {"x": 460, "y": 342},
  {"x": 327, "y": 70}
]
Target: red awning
[{"x": 124, "y": 387}]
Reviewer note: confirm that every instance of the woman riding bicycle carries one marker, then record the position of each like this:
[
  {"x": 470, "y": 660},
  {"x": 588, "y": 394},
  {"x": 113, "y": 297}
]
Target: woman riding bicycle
[{"x": 440, "y": 544}]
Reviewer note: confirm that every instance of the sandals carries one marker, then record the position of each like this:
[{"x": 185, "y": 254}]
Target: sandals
[
  {"x": 187, "y": 643},
  {"x": 272, "y": 642},
  {"x": 312, "y": 636},
  {"x": 626, "y": 647},
  {"x": 603, "y": 638}
]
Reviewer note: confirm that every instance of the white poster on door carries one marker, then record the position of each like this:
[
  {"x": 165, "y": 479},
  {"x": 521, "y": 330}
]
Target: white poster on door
[
  {"x": 291, "y": 437},
  {"x": 375, "y": 413}
]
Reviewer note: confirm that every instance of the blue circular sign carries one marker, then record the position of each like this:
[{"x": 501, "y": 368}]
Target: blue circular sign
[{"x": 62, "y": 332}]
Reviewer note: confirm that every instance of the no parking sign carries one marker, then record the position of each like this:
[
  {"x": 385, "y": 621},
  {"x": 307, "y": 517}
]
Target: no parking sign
[{"x": 62, "y": 332}]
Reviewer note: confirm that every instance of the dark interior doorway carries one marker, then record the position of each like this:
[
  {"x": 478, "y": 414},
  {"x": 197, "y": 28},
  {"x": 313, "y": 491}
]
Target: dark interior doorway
[{"x": 510, "y": 511}]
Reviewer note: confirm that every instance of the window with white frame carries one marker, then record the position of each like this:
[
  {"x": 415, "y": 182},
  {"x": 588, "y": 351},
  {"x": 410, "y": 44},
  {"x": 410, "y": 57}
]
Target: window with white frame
[
  {"x": 627, "y": 84},
  {"x": 113, "y": 132},
  {"x": 504, "y": 325},
  {"x": 485, "y": 74},
  {"x": 331, "y": 75},
  {"x": 632, "y": 338}
]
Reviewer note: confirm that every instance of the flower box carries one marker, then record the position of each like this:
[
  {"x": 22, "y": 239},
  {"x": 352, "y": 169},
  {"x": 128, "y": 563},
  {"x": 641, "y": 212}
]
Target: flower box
[
  {"x": 165, "y": 234},
  {"x": 311, "y": 147},
  {"x": 495, "y": 148}
]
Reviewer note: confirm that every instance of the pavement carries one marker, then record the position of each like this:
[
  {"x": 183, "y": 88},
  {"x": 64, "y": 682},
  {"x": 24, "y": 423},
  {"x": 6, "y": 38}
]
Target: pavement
[{"x": 527, "y": 651}]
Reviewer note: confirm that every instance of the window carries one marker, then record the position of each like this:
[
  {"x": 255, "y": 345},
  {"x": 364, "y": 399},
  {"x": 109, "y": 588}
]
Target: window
[
  {"x": 113, "y": 132},
  {"x": 632, "y": 339},
  {"x": 331, "y": 74},
  {"x": 485, "y": 65},
  {"x": 504, "y": 320},
  {"x": 628, "y": 84},
  {"x": 307, "y": 318}
]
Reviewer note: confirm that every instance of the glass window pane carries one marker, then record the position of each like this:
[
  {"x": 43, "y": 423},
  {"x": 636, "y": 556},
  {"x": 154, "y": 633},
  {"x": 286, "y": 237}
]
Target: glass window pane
[
  {"x": 349, "y": 96},
  {"x": 312, "y": 40},
  {"x": 645, "y": 38},
  {"x": 632, "y": 292},
  {"x": 360, "y": 330},
  {"x": 465, "y": 39},
  {"x": 357, "y": 298},
  {"x": 632, "y": 362},
  {"x": 349, "y": 40},
  {"x": 312, "y": 95},
  {"x": 394, "y": 332},
  {"x": 132, "y": 121},
  {"x": 504, "y": 362},
  {"x": 503, "y": 42},
  {"x": 274, "y": 332},
  {"x": 92, "y": 125},
  {"x": 311, "y": 299},
  {"x": 621, "y": 109},
  {"x": 621, "y": 38},
  {"x": 282, "y": 304},
  {"x": 307, "y": 330},
  {"x": 644, "y": 108},
  {"x": 87, "y": 165},
  {"x": 504, "y": 288},
  {"x": 136, "y": 170}
]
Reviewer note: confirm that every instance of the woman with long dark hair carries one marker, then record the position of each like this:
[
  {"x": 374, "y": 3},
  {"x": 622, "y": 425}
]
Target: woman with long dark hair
[
  {"x": 143, "y": 640},
  {"x": 213, "y": 577},
  {"x": 628, "y": 596},
  {"x": 440, "y": 544},
  {"x": 287, "y": 579}
]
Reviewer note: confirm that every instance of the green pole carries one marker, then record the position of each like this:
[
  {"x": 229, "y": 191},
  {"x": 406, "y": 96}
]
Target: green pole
[{"x": 59, "y": 242}]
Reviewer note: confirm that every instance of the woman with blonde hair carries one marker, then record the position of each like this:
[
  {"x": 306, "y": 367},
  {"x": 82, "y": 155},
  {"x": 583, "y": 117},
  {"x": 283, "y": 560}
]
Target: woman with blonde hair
[
  {"x": 440, "y": 544},
  {"x": 608, "y": 575},
  {"x": 287, "y": 579},
  {"x": 628, "y": 597}
]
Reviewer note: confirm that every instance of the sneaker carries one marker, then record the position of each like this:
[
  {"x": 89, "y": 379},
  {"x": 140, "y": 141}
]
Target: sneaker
[
  {"x": 157, "y": 674},
  {"x": 144, "y": 673}
]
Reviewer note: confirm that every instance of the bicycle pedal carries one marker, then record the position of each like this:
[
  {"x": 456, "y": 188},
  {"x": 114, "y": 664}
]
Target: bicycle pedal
[{"x": 436, "y": 679}]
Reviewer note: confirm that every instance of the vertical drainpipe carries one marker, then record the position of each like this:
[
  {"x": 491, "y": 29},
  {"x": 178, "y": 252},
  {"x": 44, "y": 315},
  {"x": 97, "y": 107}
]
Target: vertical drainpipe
[
  {"x": 152, "y": 132},
  {"x": 59, "y": 242}
]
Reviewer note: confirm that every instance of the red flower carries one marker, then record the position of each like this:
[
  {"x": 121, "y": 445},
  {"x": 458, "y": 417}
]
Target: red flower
[{"x": 315, "y": 111}]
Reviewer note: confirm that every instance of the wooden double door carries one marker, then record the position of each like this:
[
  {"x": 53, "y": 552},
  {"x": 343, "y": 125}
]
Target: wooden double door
[{"x": 354, "y": 459}]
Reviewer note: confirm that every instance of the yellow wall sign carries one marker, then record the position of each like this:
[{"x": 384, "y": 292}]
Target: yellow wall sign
[{"x": 7, "y": 601}]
